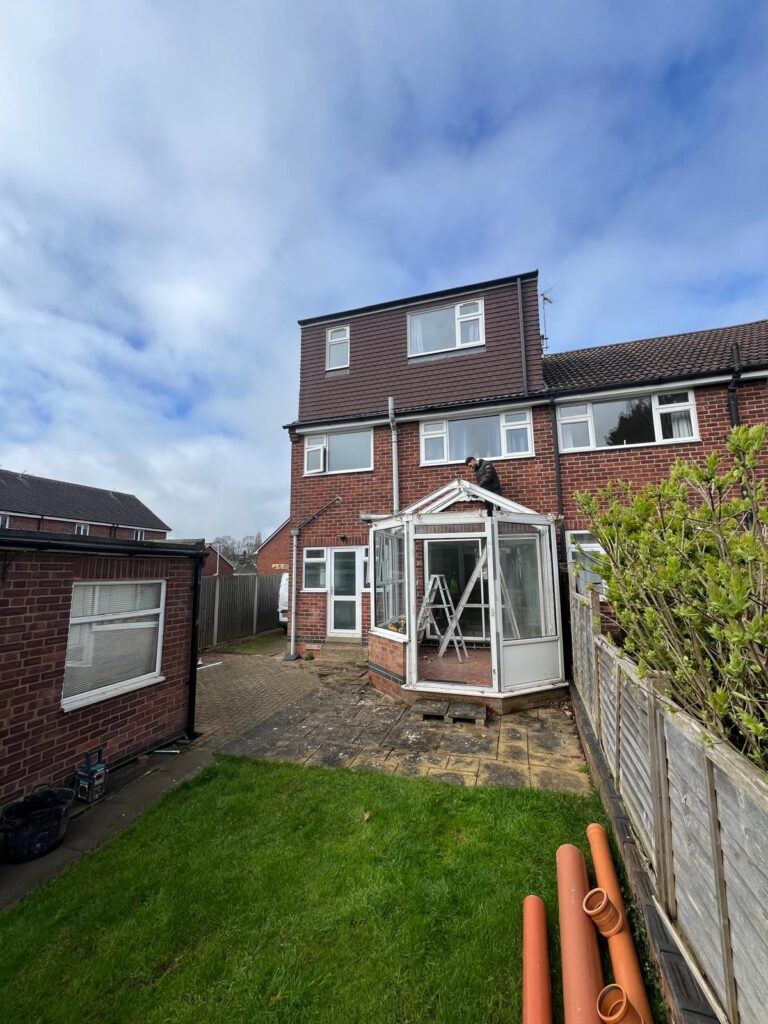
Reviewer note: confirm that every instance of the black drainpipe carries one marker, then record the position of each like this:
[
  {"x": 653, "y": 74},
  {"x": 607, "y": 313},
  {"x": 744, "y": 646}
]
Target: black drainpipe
[
  {"x": 733, "y": 387},
  {"x": 193, "y": 648},
  {"x": 564, "y": 582},
  {"x": 523, "y": 355}
]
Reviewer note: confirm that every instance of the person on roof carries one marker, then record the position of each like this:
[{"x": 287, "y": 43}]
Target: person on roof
[{"x": 486, "y": 476}]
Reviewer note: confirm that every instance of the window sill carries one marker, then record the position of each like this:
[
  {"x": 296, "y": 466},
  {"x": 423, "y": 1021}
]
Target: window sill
[
  {"x": 631, "y": 447},
  {"x": 388, "y": 634},
  {"x": 490, "y": 458},
  {"x": 82, "y": 700},
  {"x": 442, "y": 352},
  {"x": 341, "y": 472}
]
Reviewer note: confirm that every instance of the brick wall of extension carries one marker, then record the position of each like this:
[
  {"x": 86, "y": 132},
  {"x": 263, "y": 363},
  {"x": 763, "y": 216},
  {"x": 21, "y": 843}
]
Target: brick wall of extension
[
  {"x": 530, "y": 481},
  {"x": 64, "y": 526},
  {"x": 274, "y": 556},
  {"x": 39, "y": 742}
]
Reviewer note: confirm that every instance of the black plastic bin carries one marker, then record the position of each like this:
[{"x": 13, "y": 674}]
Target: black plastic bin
[{"x": 35, "y": 824}]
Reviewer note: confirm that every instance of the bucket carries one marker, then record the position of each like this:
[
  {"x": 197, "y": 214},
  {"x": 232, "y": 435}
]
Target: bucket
[{"x": 35, "y": 824}]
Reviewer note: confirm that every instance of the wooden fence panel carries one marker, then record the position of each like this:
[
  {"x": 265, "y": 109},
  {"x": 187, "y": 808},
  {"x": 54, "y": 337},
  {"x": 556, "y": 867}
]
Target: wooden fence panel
[
  {"x": 635, "y": 759},
  {"x": 606, "y": 672},
  {"x": 266, "y": 605},
  {"x": 232, "y": 607}
]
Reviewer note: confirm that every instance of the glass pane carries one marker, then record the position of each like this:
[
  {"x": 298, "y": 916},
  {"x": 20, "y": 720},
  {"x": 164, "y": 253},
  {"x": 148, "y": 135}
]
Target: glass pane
[
  {"x": 345, "y": 573},
  {"x": 573, "y": 410},
  {"x": 517, "y": 440},
  {"x": 525, "y": 575},
  {"x": 83, "y": 600},
  {"x": 344, "y": 614},
  {"x": 469, "y": 331},
  {"x": 128, "y": 597},
  {"x": 675, "y": 398},
  {"x": 349, "y": 451},
  {"x": 480, "y": 437},
  {"x": 338, "y": 334},
  {"x": 338, "y": 355},
  {"x": 389, "y": 579},
  {"x": 434, "y": 449},
  {"x": 315, "y": 439},
  {"x": 432, "y": 331},
  {"x": 315, "y": 553},
  {"x": 469, "y": 308},
  {"x": 676, "y": 424},
  {"x": 623, "y": 422},
  {"x": 109, "y": 652},
  {"x": 575, "y": 435},
  {"x": 436, "y": 427},
  {"x": 516, "y": 417},
  {"x": 456, "y": 560},
  {"x": 314, "y": 575},
  {"x": 314, "y": 460}
]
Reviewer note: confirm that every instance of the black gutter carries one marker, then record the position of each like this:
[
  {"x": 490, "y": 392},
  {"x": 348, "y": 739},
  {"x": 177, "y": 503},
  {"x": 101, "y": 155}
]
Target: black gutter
[
  {"x": 32, "y": 540},
  {"x": 523, "y": 355},
  {"x": 412, "y": 299},
  {"x": 733, "y": 386},
  {"x": 193, "y": 647}
]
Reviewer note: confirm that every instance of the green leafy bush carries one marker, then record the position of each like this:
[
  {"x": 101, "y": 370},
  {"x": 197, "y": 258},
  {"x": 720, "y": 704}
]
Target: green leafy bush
[{"x": 686, "y": 569}]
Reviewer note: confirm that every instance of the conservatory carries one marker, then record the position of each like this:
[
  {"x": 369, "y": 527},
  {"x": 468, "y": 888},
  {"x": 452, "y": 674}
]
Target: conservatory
[{"x": 464, "y": 602}]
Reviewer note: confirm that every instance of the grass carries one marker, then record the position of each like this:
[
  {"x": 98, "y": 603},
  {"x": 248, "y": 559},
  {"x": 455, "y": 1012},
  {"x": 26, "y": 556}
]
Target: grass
[
  {"x": 276, "y": 893},
  {"x": 262, "y": 643}
]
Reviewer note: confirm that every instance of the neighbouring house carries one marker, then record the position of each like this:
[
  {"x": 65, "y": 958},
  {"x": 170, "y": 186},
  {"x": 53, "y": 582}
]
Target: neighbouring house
[
  {"x": 56, "y": 506},
  {"x": 216, "y": 563},
  {"x": 273, "y": 557},
  {"x": 98, "y": 647},
  {"x": 393, "y": 398}
]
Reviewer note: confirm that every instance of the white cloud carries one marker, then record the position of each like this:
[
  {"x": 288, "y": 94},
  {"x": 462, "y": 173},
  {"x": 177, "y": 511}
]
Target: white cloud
[{"x": 180, "y": 182}]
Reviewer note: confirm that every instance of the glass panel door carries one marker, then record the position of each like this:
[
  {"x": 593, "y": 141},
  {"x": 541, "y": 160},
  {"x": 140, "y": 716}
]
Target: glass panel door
[
  {"x": 456, "y": 561},
  {"x": 344, "y": 594}
]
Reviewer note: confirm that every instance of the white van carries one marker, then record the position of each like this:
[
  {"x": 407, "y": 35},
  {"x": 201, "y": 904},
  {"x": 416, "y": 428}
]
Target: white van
[{"x": 282, "y": 602}]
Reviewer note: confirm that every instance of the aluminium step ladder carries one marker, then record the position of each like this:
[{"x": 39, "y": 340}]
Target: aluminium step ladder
[{"x": 439, "y": 596}]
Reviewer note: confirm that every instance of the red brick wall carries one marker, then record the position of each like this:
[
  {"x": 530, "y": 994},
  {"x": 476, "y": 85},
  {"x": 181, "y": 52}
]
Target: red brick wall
[
  {"x": 530, "y": 481},
  {"x": 212, "y": 564},
  {"x": 274, "y": 557},
  {"x": 63, "y": 526},
  {"x": 38, "y": 741}
]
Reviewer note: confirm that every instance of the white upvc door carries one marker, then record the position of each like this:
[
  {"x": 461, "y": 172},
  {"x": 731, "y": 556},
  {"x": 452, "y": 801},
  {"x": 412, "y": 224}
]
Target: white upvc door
[{"x": 345, "y": 587}]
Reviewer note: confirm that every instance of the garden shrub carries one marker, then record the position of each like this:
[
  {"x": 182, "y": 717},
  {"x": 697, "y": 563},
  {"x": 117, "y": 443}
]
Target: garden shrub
[{"x": 686, "y": 572}]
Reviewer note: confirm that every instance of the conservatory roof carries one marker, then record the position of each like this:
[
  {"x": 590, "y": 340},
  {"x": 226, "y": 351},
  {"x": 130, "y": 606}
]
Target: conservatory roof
[{"x": 459, "y": 490}]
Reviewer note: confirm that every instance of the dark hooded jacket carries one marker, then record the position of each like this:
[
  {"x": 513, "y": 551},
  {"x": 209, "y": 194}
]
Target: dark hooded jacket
[{"x": 487, "y": 477}]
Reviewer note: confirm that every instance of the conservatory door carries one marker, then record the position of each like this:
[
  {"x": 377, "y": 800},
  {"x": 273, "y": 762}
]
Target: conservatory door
[{"x": 529, "y": 630}]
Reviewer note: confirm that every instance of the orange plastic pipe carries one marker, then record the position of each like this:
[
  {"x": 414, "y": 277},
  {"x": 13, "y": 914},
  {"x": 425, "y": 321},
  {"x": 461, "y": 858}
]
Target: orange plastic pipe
[
  {"x": 613, "y": 1007},
  {"x": 537, "y": 989},
  {"x": 606, "y": 908},
  {"x": 582, "y": 971}
]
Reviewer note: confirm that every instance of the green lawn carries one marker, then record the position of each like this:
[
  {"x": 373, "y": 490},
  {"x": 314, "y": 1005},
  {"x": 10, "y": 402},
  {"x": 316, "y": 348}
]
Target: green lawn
[{"x": 270, "y": 892}]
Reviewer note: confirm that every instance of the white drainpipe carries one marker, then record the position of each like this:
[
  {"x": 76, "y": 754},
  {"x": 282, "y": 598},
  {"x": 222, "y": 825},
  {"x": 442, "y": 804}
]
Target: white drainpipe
[
  {"x": 395, "y": 460},
  {"x": 293, "y": 656}
]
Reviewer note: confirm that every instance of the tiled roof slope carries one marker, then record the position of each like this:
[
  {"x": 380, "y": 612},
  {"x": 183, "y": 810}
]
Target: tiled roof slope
[
  {"x": 652, "y": 360},
  {"x": 57, "y": 499}
]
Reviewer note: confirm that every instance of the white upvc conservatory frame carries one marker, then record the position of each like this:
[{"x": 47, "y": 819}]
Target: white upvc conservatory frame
[{"x": 435, "y": 510}]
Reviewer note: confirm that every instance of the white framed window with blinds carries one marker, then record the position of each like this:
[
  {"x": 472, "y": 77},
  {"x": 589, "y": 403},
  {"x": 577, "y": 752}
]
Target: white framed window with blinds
[
  {"x": 665, "y": 417},
  {"x": 505, "y": 435},
  {"x": 115, "y": 639}
]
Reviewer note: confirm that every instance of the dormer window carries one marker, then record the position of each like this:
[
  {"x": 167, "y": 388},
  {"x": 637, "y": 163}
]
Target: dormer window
[
  {"x": 446, "y": 329},
  {"x": 337, "y": 348}
]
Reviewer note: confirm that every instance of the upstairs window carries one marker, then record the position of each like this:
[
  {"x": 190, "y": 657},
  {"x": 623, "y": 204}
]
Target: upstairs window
[
  {"x": 506, "y": 436},
  {"x": 5, "y": 521},
  {"x": 138, "y": 534},
  {"x": 583, "y": 550},
  {"x": 446, "y": 329},
  {"x": 342, "y": 452},
  {"x": 337, "y": 348},
  {"x": 645, "y": 419},
  {"x": 82, "y": 529}
]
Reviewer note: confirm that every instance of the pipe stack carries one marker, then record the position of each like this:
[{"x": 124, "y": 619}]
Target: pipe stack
[{"x": 583, "y": 913}]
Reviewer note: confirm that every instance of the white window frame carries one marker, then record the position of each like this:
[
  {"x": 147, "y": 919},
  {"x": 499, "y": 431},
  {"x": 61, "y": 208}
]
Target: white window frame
[
  {"x": 573, "y": 548},
  {"x": 82, "y": 529},
  {"x": 80, "y": 700},
  {"x": 439, "y": 428},
  {"x": 139, "y": 534},
  {"x": 322, "y": 446},
  {"x": 458, "y": 319},
  {"x": 316, "y": 560},
  {"x": 689, "y": 406},
  {"x": 331, "y": 342},
  {"x": 5, "y": 521}
]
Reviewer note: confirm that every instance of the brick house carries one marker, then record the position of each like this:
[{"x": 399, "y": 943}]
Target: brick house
[
  {"x": 56, "y": 506},
  {"x": 217, "y": 564},
  {"x": 98, "y": 648},
  {"x": 392, "y": 399},
  {"x": 273, "y": 557}
]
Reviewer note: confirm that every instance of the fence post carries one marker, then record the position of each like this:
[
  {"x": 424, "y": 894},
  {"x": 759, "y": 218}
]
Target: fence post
[
  {"x": 216, "y": 611},
  {"x": 617, "y": 733},
  {"x": 662, "y": 822},
  {"x": 720, "y": 893},
  {"x": 255, "y": 604}
]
